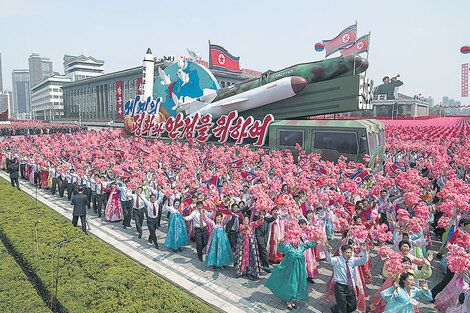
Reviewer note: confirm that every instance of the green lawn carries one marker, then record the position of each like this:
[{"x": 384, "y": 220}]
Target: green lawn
[{"x": 93, "y": 276}]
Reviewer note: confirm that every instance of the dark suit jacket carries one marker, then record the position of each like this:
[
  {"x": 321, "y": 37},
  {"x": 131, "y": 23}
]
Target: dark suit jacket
[
  {"x": 13, "y": 169},
  {"x": 262, "y": 232},
  {"x": 229, "y": 225},
  {"x": 79, "y": 202}
]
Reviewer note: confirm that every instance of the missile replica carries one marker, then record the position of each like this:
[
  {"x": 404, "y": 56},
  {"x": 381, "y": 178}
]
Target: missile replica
[
  {"x": 312, "y": 72},
  {"x": 275, "y": 91},
  {"x": 258, "y": 94},
  {"x": 147, "y": 75}
]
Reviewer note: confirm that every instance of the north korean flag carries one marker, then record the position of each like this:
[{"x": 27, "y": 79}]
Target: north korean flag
[
  {"x": 349, "y": 208},
  {"x": 344, "y": 39},
  {"x": 235, "y": 164},
  {"x": 133, "y": 149},
  {"x": 212, "y": 183},
  {"x": 282, "y": 199},
  {"x": 124, "y": 173},
  {"x": 75, "y": 159},
  {"x": 220, "y": 59},
  {"x": 228, "y": 212},
  {"x": 248, "y": 176},
  {"x": 317, "y": 167},
  {"x": 358, "y": 177},
  {"x": 64, "y": 154},
  {"x": 396, "y": 168},
  {"x": 142, "y": 153},
  {"x": 360, "y": 46},
  {"x": 174, "y": 159},
  {"x": 317, "y": 182},
  {"x": 184, "y": 205},
  {"x": 118, "y": 153}
]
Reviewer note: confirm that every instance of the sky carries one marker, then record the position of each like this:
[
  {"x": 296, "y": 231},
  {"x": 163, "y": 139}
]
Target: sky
[{"x": 420, "y": 40}]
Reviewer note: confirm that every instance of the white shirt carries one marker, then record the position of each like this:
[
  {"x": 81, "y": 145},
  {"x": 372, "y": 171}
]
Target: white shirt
[
  {"x": 150, "y": 206},
  {"x": 124, "y": 193},
  {"x": 141, "y": 201},
  {"x": 196, "y": 218}
]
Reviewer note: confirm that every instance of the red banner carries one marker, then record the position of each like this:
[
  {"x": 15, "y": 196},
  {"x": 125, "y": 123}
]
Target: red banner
[
  {"x": 465, "y": 80},
  {"x": 140, "y": 87},
  {"x": 202, "y": 127},
  {"x": 119, "y": 99}
]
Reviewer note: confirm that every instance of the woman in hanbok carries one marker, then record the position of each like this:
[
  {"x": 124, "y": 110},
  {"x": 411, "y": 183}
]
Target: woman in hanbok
[
  {"x": 113, "y": 211},
  {"x": 378, "y": 304},
  {"x": 400, "y": 297},
  {"x": 219, "y": 253},
  {"x": 449, "y": 296},
  {"x": 176, "y": 236},
  {"x": 321, "y": 216},
  {"x": 44, "y": 174},
  {"x": 310, "y": 262},
  {"x": 246, "y": 253},
  {"x": 289, "y": 279}
]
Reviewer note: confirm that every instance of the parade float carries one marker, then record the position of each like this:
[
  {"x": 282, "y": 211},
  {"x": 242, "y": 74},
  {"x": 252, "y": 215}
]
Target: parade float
[{"x": 185, "y": 102}]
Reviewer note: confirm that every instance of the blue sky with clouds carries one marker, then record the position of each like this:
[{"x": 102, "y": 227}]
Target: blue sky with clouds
[{"x": 420, "y": 40}]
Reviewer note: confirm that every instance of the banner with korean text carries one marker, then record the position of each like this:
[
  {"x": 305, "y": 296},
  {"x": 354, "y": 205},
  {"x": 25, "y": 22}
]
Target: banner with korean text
[
  {"x": 465, "y": 80},
  {"x": 119, "y": 100}
]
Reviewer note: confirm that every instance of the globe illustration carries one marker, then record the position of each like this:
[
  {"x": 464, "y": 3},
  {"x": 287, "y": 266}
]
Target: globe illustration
[{"x": 200, "y": 78}]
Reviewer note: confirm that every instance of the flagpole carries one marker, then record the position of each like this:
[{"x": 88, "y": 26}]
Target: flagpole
[
  {"x": 354, "y": 61},
  {"x": 210, "y": 58},
  {"x": 368, "y": 47}
]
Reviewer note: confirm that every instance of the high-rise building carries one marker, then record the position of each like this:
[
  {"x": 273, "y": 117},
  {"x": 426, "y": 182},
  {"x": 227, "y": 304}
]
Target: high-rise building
[
  {"x": 47, "y": 102},
  {"x": 82, "y": 67},
  {"x": 6, "y": 99},
  {"x": 21, "y": 93},
  {"x": 430, "y": 100},
  {"x": 39, "y": 68},
  {"x": 1, "y": 78},
  {"x": 445, "y": 101}
]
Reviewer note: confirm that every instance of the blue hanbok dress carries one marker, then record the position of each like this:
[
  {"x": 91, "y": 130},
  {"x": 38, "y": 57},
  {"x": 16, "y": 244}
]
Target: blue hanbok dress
[
  {"x": 219, "y": 253},
  {"x": 289, "y": 279},
  {"x": 399, "y": 301},
  {"x": 177, "y": 235}
]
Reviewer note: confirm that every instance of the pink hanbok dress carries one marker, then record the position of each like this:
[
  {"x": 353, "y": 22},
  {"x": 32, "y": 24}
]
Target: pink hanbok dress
[{"x": 113, "y": 211}]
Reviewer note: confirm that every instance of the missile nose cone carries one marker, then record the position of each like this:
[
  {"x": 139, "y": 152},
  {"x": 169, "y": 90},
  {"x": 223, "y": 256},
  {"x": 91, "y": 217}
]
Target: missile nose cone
[
  {"x": 298, "y": 83},
  {"x": 148, "y": 51}
]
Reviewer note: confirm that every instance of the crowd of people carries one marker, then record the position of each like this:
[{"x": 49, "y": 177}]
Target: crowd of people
[
  {"x": 37, "y": 128},
  {"x": 262, "y": 211}
]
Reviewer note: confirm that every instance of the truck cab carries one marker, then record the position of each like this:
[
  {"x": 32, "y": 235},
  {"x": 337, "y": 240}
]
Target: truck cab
[{"x": 331, "y": 138}]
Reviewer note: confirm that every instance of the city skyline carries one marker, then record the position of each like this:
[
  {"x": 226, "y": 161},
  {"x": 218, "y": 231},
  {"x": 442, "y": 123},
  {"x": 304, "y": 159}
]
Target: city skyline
[{"x": 424, "y": 51}]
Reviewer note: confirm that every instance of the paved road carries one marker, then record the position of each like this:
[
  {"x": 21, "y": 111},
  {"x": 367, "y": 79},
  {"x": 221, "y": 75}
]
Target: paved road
[{"x": 219, "y": 287}]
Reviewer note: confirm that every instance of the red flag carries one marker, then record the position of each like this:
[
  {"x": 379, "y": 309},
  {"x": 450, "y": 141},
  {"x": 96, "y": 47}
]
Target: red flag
[
  {"x": 282, "y": 199},
  {"x": 361, "y": 45},
  {"x": 125, "y": 173},
  {"x": 222, "y": 60},
  {"x": 65, "y": 154},
  {"x": 228, "y": 212},
  {"x": 185, "y": 204},
  {"x": 142, "y": 153},
  {"x": 248, "y": 176},
  {"x": 344, "y": 39},
  {"x": 235, "y": 164},
  {"x": 118, "y": 153},
  {"x": 317, "y": 167}
]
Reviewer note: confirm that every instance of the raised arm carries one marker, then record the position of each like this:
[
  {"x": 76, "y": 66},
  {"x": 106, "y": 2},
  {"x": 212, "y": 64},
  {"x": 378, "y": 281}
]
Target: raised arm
[
  {"x": 206, "y": 219},
  {"x": 226, "y": 220}
]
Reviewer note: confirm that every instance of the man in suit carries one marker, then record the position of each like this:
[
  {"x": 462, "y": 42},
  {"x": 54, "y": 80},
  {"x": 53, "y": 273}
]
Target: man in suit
[
  {"x": 233, "y": 226},
  {"x": 262, "y": 234},
  {"x": 79, "y": 202},
  {"x": 13, "y": 169}
]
